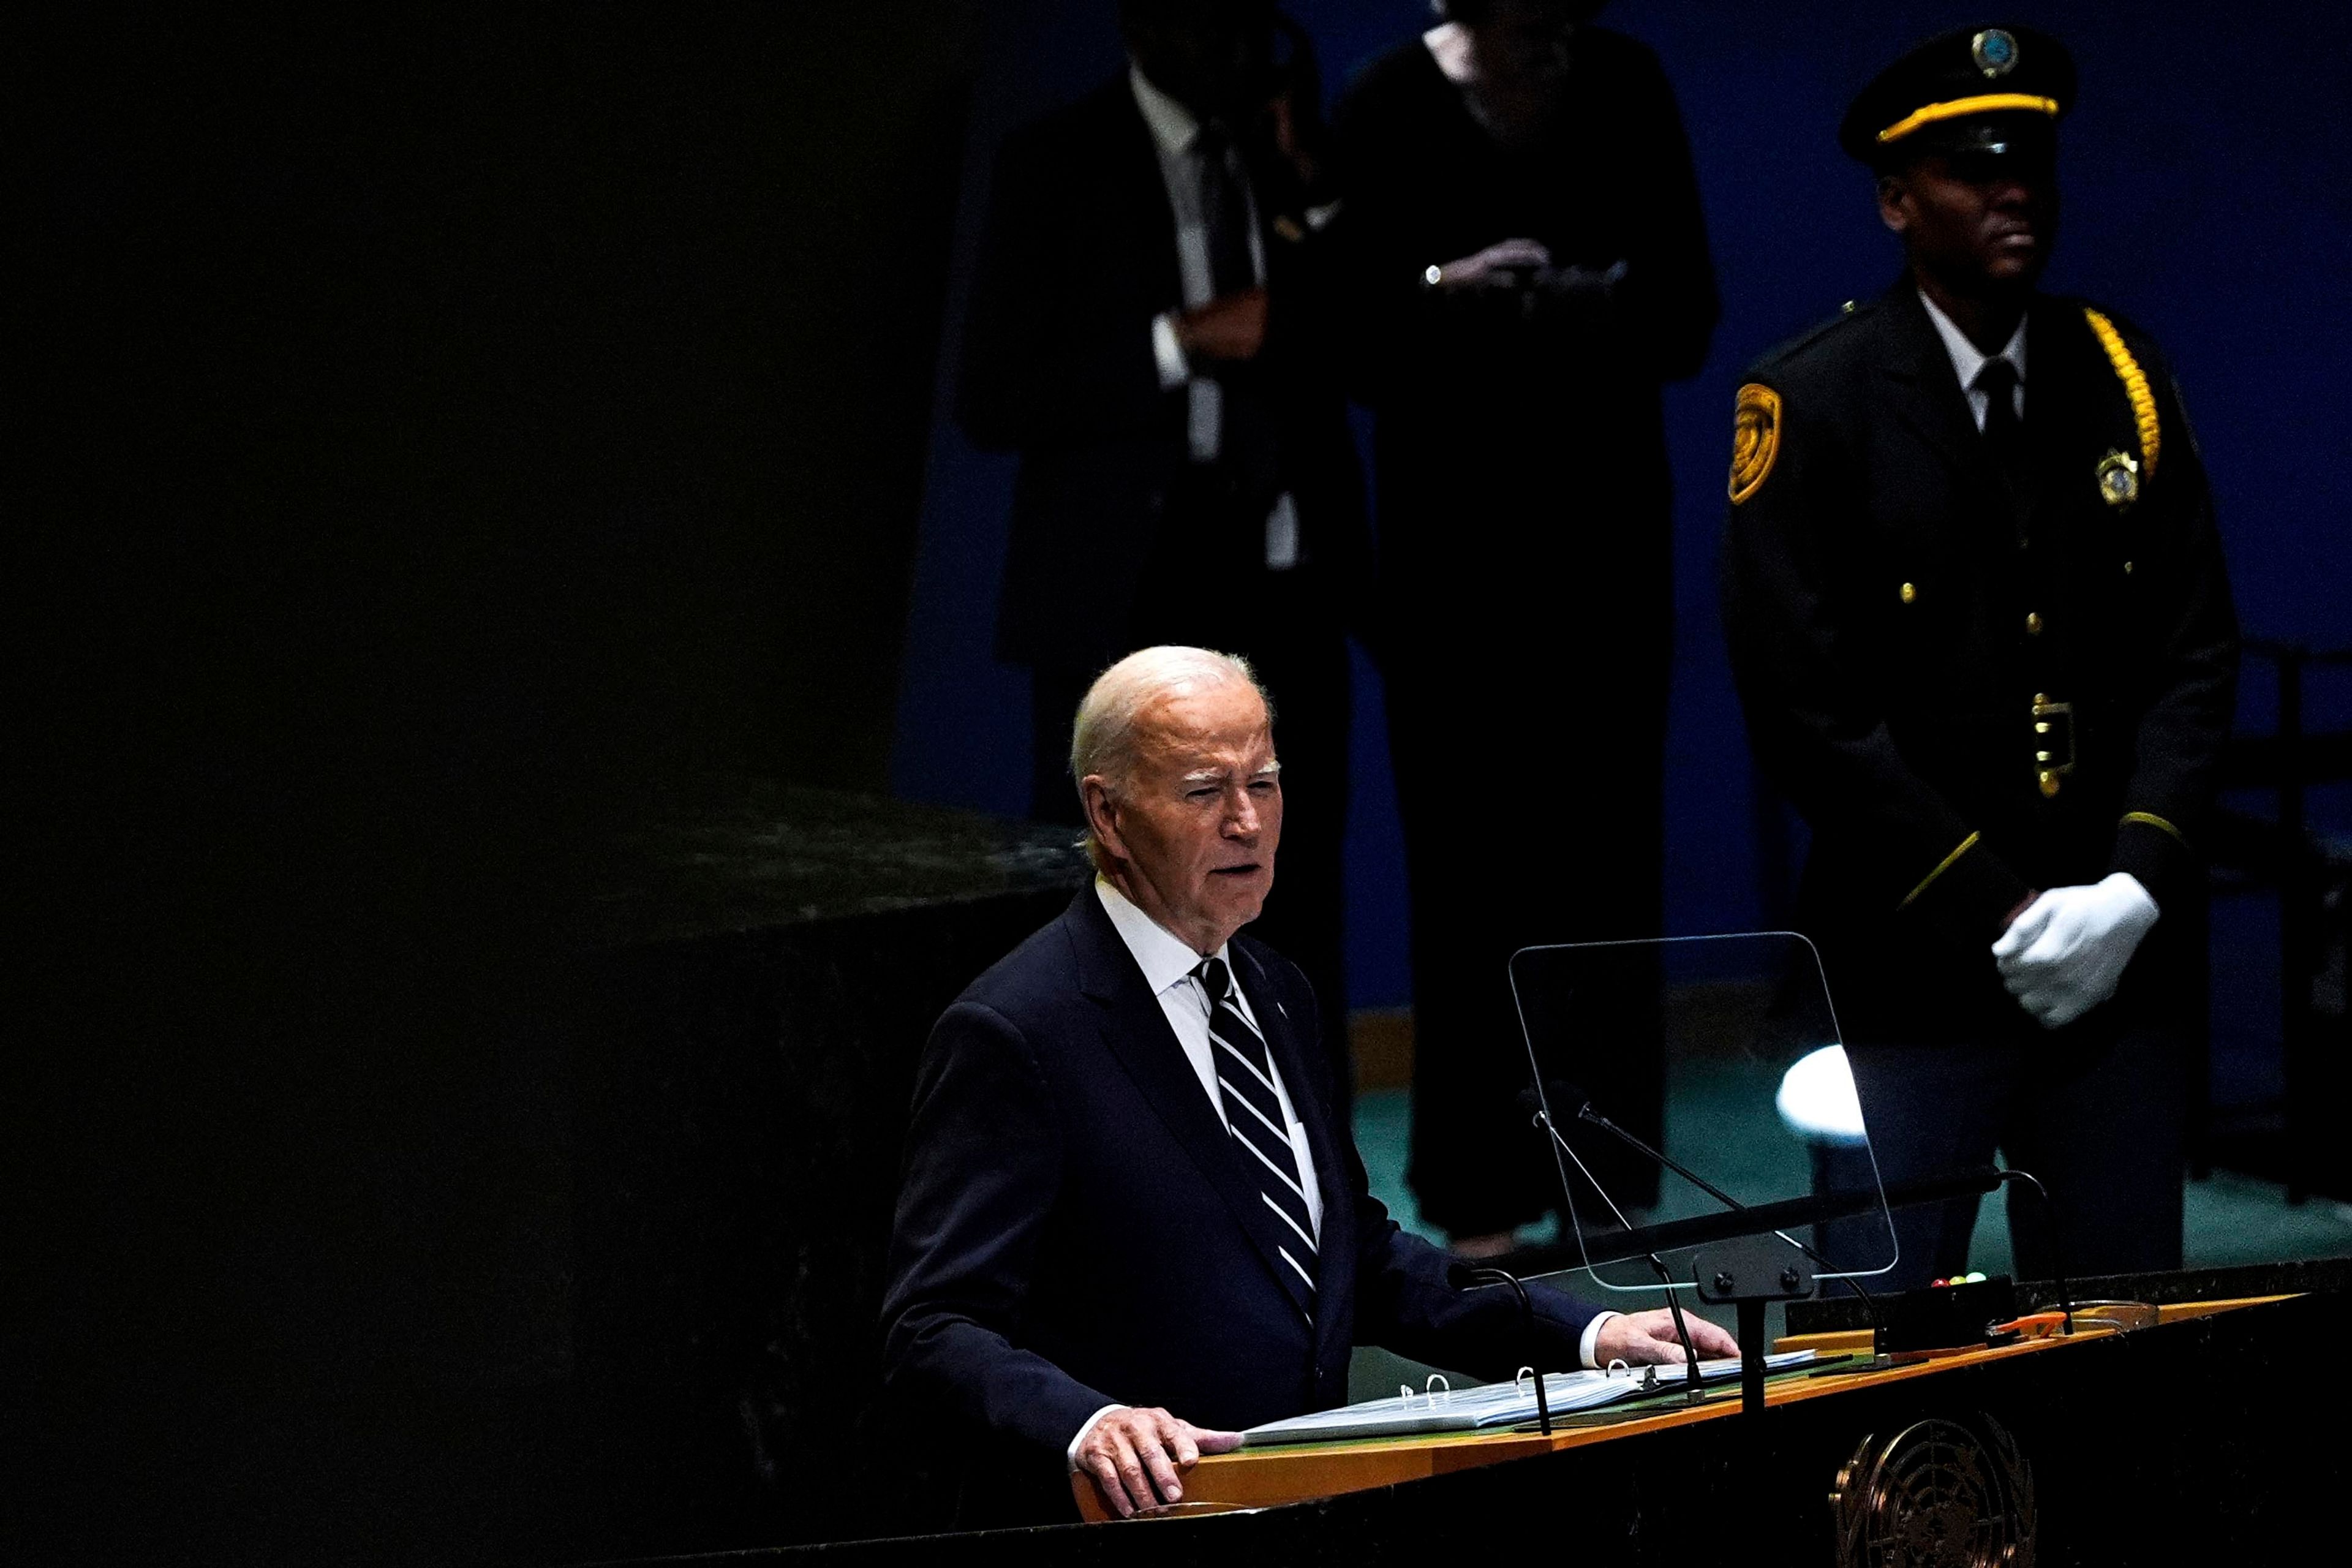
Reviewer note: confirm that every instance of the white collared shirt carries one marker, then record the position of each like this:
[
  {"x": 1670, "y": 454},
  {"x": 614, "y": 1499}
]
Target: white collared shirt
[
  {"x": 1168, "y": 961},
  {"x": 1175, "y": 135},
  {"x": 1968, "y": 361}
]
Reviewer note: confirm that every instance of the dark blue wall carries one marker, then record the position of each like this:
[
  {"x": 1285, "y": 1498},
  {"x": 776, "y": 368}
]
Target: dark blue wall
[{"x": 2209, "y": 196}]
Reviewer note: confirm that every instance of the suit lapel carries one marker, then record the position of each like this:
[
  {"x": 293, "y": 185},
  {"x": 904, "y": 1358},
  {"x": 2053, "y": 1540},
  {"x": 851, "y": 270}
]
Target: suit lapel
[{"x": 1136, "y": 1033}]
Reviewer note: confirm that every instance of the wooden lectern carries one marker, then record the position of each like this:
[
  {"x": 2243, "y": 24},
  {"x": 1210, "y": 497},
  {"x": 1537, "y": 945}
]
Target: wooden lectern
[
  {"x": 1873, "y": 1485},
  {"x": 2208, "y": 1437}
]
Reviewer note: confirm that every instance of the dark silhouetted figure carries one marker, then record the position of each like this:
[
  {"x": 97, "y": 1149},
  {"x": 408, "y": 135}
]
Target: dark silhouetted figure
[{"x": 1526, "y": 265}]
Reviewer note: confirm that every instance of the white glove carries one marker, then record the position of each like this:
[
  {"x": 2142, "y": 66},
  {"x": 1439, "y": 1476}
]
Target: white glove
[{"x": 2063, "y": 955}]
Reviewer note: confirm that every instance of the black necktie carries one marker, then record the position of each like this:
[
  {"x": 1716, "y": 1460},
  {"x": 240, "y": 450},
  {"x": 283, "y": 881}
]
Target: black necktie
[
  {"x": 1998, "y": 381},
  {"x": 2004, "y": 437},
  {"x": 1253, "y": 1111}
]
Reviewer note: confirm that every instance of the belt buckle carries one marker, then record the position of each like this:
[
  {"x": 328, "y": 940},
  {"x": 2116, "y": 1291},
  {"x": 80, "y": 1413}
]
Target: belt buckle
[{"x": 2053, "y": 742}]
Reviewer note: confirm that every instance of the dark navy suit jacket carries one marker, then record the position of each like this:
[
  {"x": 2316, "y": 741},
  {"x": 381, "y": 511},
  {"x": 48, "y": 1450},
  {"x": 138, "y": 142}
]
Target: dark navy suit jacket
[
  {"x": 1077, "y": 256},
  {"x": 1076, "y": 1229}
]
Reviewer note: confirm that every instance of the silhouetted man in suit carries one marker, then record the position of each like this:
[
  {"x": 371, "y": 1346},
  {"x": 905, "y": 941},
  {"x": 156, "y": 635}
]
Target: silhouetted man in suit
[
  {"x": 1143, "y": 330},
  {"x": 1133, "y": 1219}
]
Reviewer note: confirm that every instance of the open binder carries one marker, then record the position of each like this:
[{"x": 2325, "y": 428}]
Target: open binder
[{"x": 1490, "y": 1407}]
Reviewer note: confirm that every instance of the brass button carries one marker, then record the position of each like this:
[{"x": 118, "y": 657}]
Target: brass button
[
  {"x": 2126, "y": 568},
  {"x": 2049, "y": 782},
  {"x": 2042, "y": 756},
  {"x": 2039, "y": 698},
  {"x": 1847, "y": 307},
  {"x": 1910, "y": 591},
  {"x": 2042, "y": 726},
  {"x": 2033, "y": 623}
]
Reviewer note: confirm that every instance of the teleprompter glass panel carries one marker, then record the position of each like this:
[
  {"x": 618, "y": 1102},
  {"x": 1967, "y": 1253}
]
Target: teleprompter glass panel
[{"x": 1721, "y": 1052}]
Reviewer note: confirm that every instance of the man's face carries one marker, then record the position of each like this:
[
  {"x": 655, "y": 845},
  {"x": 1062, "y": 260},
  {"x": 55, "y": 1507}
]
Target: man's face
[
  {"x": 1213, "y": 56},
  {"x": 1528, "y": 40},
  {"x": 1982, "y": 225},
  {"x": 1195, "y": 827}
]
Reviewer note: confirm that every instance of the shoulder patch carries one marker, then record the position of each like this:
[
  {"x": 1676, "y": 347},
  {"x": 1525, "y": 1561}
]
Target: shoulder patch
[{"x": 1754, "y": 440}]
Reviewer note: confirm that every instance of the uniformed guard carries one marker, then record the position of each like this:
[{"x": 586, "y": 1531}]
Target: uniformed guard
[{"x": 1980, "y": 626}]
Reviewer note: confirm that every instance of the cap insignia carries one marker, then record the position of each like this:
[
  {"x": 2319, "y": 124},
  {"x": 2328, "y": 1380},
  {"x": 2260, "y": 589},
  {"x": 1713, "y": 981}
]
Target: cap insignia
[
  {"x": 1754, "y": 440},
  {"x": 1995, "y": 51}
]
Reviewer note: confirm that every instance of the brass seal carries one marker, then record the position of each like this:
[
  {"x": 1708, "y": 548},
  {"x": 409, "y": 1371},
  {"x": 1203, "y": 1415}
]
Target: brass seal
[
  {"x": 1940, "y": 1494},
  {"x": 1754, "y": 440}
]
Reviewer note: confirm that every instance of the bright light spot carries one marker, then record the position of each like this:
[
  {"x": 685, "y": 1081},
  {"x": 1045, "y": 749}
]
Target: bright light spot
[{"x": 1817, "y": 1100}]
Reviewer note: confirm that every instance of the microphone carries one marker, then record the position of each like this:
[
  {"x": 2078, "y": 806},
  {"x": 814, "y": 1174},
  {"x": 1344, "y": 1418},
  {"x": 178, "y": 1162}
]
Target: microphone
[
  {"x": 2049, "y": 1217},
  {"x": 1676, "y": 1235},
  {"x": 1560, "y": 1092},
  {"x": 1464, "y": 1275},
  {"x": 1694, "y": 1387},
  {"x": 1931, "y": 1190}
]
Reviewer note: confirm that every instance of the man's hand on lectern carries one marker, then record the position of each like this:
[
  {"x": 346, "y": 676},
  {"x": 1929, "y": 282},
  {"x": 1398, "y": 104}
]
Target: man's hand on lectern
[
  {"x": 1642, "y": 1339},
  {"x": 1134, "y": 1457}
]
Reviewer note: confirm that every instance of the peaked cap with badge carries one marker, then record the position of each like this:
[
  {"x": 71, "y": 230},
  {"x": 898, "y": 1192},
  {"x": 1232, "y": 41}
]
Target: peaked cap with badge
[
  {"x": 1979, "y": 670},
  {"x": 1994, "y": 90}
]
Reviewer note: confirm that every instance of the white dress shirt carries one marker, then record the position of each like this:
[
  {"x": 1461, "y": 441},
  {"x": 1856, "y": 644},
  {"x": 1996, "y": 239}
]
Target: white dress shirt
[
  {"x": 1168, "y": 961},
  {"x": 1175, "y": 135},
  {"x": 1968, "y": 361}
]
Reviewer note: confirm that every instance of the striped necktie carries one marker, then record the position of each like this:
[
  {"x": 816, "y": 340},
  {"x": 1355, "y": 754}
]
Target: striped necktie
[{"x": 1254, "y": 1112}]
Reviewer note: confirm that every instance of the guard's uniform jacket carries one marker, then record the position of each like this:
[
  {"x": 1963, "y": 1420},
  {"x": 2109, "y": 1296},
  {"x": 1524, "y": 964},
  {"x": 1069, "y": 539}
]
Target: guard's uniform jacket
[{"x": 1973, "y": 685}]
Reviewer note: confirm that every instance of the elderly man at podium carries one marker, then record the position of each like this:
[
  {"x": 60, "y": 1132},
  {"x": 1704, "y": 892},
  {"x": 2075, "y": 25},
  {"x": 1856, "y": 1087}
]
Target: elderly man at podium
[{"x": 1133, "y": 1219}]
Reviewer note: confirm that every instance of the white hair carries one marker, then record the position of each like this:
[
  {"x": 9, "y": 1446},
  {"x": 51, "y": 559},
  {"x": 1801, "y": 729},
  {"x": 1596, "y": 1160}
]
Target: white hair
[{"x": 1102, "y": 738}]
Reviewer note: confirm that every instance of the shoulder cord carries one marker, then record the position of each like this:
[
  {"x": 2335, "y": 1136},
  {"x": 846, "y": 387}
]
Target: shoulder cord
[{"x": 2135, "y": 387}]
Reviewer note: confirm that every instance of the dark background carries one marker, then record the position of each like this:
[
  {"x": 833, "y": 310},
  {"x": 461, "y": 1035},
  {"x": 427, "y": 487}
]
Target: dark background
[{"x": 436, "y": 445}]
